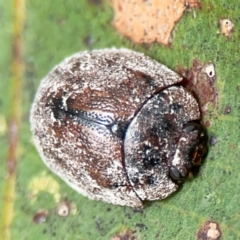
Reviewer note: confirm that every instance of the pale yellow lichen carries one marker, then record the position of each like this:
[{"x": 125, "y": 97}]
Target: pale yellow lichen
[
  {"x": 3, "y": 125},
  {"x": 46, "y": 183}
]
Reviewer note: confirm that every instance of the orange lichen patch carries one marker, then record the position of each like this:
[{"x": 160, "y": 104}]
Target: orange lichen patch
[
  {"x": 125, "y": 235},
  {"x": 210, "y": 231},
  {"x": 150, "y": 20},
  {"x": 226, "y": 27},
  {"x": 193, "y": 4}
]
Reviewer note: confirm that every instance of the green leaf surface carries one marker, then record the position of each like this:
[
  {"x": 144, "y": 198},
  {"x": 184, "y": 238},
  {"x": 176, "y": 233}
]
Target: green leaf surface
[{"x": 56, "y": 29}]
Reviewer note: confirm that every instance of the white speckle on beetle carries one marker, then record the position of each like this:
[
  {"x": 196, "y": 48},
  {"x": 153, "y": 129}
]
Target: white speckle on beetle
[
  {"x": 53, "y": 118},
  {"x": 109, "y": 123},
  {"x": 176, "y": 159},
  {"x": 64, "y": 102}
]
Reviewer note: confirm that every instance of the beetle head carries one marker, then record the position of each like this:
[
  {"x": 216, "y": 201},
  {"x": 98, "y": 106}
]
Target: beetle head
[{"x": 190, "y": 151}]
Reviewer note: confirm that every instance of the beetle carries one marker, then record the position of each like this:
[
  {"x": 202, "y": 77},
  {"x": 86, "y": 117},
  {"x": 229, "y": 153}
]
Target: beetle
[{"x": 116, "y": 126}]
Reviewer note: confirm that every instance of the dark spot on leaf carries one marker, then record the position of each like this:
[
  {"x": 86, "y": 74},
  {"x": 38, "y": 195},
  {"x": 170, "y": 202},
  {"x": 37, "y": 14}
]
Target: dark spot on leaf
[
  {"x": 95, "y": 2},
  {"x": 141, "y": 226},
  {"x": 213, "y": 141},
  {"x": 100, "y": 227},
  {"x": 41, "y": 216},
  {"x": 88, "y": 40},
  {"x": 227, "y": 110}
]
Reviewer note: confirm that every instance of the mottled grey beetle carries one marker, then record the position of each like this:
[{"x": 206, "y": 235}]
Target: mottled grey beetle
[{"x": 110, "y": 124}]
